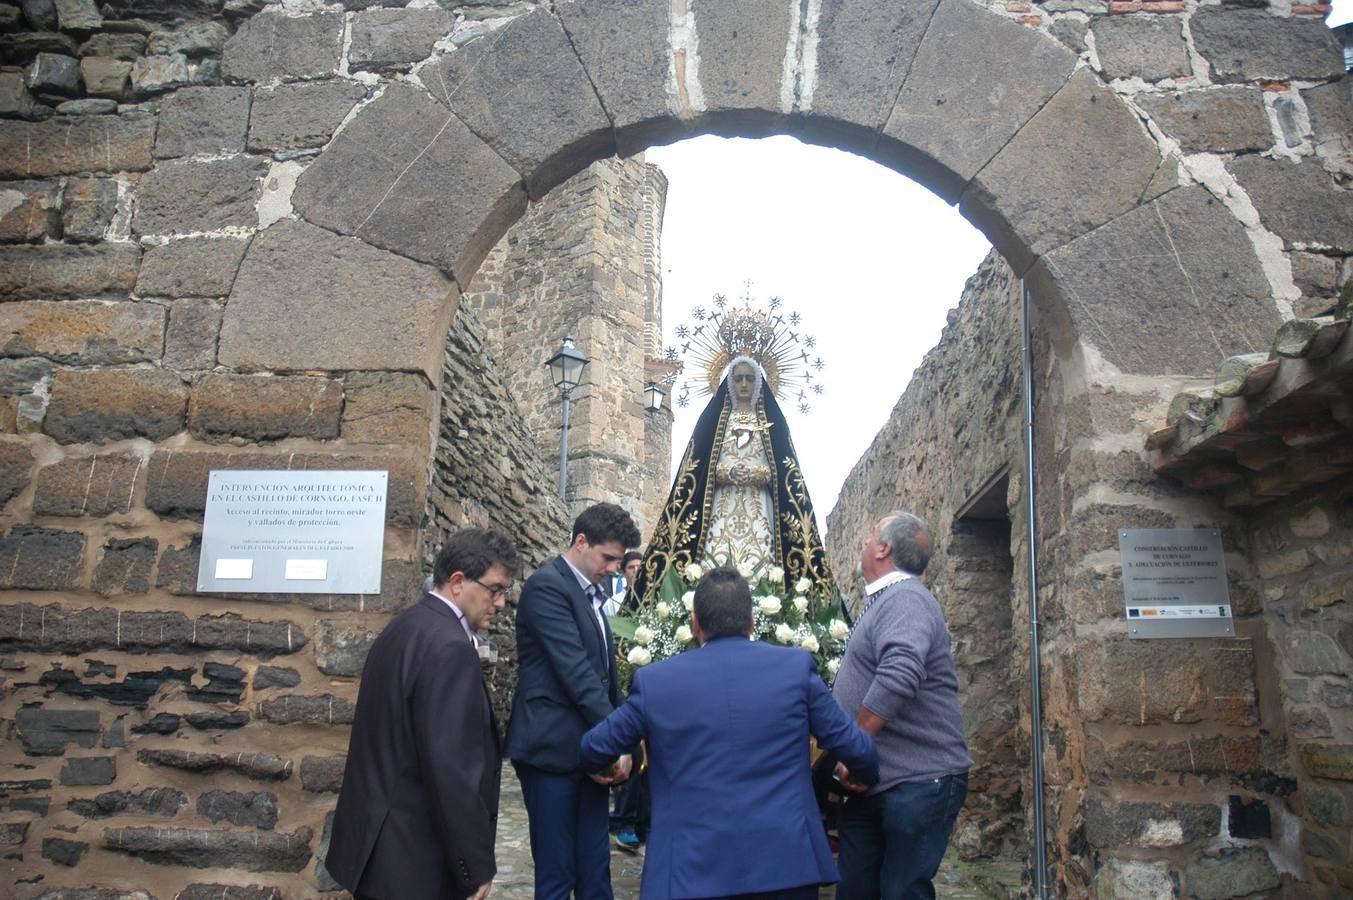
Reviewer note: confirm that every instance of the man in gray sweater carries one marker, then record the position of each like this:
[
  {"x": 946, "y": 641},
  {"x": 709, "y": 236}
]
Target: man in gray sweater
[{"x": 898, "y": 679}]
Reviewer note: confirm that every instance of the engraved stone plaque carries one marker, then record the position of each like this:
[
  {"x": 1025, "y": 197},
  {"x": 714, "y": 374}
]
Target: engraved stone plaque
[
  {"x": 292, "y": 532},
  {"x": 1174, "y": 583}
]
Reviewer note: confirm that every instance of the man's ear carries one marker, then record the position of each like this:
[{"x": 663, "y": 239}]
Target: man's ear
[{"x": 455, "y": 584}]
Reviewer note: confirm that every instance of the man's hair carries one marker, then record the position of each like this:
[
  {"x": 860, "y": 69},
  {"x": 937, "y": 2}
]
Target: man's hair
[
  {"x": 908, "y": 540},
  {"x": 472, "y": 552},
  {"x": 630, "y": 556},
  {"x": 723, "y": 602},
  {"x": 606, "y": 522}
]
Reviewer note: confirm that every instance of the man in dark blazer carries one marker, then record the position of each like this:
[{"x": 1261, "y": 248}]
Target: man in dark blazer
[
  {"x": 418, "y": 809},
  {"x": 566, "y": 683},
  {"x": 727, "y": 726}
]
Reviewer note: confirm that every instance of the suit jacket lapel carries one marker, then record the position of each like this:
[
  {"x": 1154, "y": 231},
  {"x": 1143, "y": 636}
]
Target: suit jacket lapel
[{"x": 585, "y": 615}]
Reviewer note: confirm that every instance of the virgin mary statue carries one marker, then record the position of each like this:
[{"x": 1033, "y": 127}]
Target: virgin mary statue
[{"x": 739, "y": 496}]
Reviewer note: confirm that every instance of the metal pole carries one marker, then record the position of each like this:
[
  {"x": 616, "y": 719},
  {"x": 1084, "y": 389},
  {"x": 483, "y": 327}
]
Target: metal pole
[
  {"x": 1040, "y": 861},
  {"x": 563, "y": 448}
]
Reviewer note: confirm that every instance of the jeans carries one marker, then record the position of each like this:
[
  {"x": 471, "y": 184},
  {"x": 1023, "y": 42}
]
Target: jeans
[
  {"x": 892, "y": 842},
  {"x": 631, "y": 805}
]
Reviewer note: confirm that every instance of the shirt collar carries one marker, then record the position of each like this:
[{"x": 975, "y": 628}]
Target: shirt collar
[
  {"x": 582, "y": 579},
  {"x": 458, "y": 613},
  {"x": 884, "y": 581}
]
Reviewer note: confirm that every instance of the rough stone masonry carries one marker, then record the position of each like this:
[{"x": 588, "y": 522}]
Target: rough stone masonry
[{"x": 233, "y": 233}]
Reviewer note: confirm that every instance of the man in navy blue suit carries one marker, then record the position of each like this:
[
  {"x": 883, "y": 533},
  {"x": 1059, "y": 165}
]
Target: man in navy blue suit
[
  {"x": 727, "y": 727},
  {"x": 566, "y": 683}
]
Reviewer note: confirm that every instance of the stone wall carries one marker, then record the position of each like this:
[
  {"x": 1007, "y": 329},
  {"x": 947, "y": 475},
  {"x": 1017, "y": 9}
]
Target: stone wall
[{"x": 585, "y": 261}]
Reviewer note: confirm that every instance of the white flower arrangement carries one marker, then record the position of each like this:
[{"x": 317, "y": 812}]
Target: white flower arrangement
[
  {"x": 661, "y": 627},
  {"x": 746, "y": 569}
]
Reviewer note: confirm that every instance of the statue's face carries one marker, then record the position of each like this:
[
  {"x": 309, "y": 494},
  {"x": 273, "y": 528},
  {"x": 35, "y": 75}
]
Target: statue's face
[{"x": 743, "y": 383}]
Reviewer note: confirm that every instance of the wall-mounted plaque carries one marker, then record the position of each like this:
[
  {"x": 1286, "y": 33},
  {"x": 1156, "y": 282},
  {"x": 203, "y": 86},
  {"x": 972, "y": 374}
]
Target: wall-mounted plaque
[
  {"x": 1174, "y": 583},
  {"x": 289, "y": 532}
]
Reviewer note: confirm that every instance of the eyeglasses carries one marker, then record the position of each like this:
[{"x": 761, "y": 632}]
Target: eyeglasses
[{"x": 495, "y": 590}]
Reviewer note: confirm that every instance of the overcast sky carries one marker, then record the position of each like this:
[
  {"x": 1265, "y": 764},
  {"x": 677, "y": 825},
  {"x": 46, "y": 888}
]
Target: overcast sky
[{"x": 871, "y": 260}]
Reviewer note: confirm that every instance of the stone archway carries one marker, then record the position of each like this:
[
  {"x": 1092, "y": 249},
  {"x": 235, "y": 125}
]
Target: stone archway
[{"x": 1136, "y": 235}]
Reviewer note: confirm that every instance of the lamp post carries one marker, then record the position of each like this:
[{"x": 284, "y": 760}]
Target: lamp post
[
  {"x": 566, "y": 370},
  {"x": 653, "y": 394}
]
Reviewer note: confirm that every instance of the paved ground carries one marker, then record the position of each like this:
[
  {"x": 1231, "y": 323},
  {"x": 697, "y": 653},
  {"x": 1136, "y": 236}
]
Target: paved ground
[{"x": 956, "y": 880}]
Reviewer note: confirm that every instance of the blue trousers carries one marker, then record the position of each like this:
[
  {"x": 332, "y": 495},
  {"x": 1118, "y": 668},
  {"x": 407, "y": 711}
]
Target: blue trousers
[
  {"x": 892, "y": 842},
  {"x": 570, "y": 845}
]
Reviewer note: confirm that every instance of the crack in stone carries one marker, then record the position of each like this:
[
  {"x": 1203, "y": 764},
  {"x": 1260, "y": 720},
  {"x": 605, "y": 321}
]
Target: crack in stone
[{"x": 1193, "y": 293}]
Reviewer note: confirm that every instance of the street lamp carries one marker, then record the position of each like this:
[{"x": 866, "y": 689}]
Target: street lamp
[
  {"x": 566, "y": 370},
  {"x": 653, "y": 394}
]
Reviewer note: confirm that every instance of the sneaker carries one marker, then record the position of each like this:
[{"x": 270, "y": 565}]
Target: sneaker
[{"x": 627, "y": 841}]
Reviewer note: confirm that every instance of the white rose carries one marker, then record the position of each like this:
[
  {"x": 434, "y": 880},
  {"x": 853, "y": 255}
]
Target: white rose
[
  {"x": 769, "y": 605},
  {"x": 643, "y": 634},
  {"x": 745, "y": 569},
  {"x": 838, "y": 629},
  {"x": 783, "y": 633},
  {"x": 683, "y": 634},
  {"x": 776, "y": 575},
  {"x": 803, "y": 585},
  {"x": 832, "y": 665},
  {"x": 662, "y": 609},
  {"x": 693, "y": 572},
  {"x": 801, "y": 603},
  {"x": 688, "y": 600},
  {"x": 809, "y": 643},
  {"x": 639, "y": 656}
]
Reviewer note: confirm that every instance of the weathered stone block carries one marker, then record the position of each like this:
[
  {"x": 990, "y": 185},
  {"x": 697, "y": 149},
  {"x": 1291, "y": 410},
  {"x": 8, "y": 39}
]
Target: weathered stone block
[
  {"x": 160, "y": 801},
  {"x": 54, "y": 75},
  {"x": 263, "y": 766},
  {"x": 88, "y": 210},
  {"x": 190, "y": 339},
  {"x": 87, "y": 106},
  {"x": 22, "y": 46},
  {"x": 16, "y": 464},
  {"x": 341, "y": 648},
  {"x": 40, "y": 14},
  {"x": 63, "y": 852},
  {"x": 322, "y": 774},
  {"x": 116, "y": 45},
  {"x": 1126, "y": 879},
  {"x": 1301, "y": 202},
  {"x": 225, "y": 684},
  {"x": 525, "y": 93},
  {"x": 395, "y": 38},
  {"x": 1016, "y": 198},
  {"x": 1313, "y": 653},
  {"x": 742, "y": 60},
  {"x": 67, "y": 146},
  {"x": 13, "y": 834},
  {"x": 385, "y": 407},
  {"x": 41, "y": 559},
  {"x": 63, "y": 630},
  {"x": 191, "y": 267},
  {"x": 57, "y": 271},
  {"x": 29, "y": 211},
  {"x": 105, "y": 77},
  {"x": 46, "y": 732},
  {"x": 156, "y": 74},
  {"x": 214, "y": 848},
  {"x": 1334, "y": 761},
  {"x": 275, "y": 676},
  {"x": 180, "y": 197},
  {"x": 296, "y": 116},
  {"x": 948, "y": 122},
  {"x": 218, "y": 721},
  {"x": 1141, "y": 682},
  {"x": 273, "y": 45},
  {"x": 160, "y": 723},
  {"x": 108, "y": 405},
  {"x": 176, "y": 484},
  {"x": 1330, "y": 107},
  {"x": 1148, "y": 47},
  {"x": 229, "y": 892},
  {"x": 17, "y": 102},
  {"x": 1218, "y": 120},
  {"x": 99, "y": 485},
  {"x": 202, "y": 120},
  {"x": 1252, "y": 45},
  {"x": 93, "y": 893},
  {"x": 298, "y": 709},
  {"x": 256, "y": 808},
  {"x": 196, "y": 40},
  {"x": 1231, "y": 872},
  {"x": 307, "y": 299},
  {"x": 1193, "y": 266},
  {"x": 1110, "y": 823},
  {"x": 1326, "y": 805},
  {"x": 125, "y": 566},
  {"x": 264, "y": 407},
  {"x": 23, "y": 376},
  {"x": 439, "y": 195},
  {"x": 78, "y": 15},
  {"x": 81, "y": 332},
  {"x": 87, "y": 770},
  {"x": 623, "y": 47}
]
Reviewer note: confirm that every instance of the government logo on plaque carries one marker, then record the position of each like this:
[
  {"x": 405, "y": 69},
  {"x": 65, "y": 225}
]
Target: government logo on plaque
[
  {"x": 290, "y": 532},
  {"x": 1174, "y": 583}
]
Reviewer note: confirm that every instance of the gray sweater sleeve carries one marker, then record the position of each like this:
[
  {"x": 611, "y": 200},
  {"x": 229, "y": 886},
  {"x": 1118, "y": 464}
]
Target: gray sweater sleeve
[{"x": 903, "y": 637}]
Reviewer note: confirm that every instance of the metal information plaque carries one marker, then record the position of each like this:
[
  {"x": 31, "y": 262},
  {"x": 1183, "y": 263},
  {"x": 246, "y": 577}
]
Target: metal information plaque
[
  {"x": 1174, "y": 583},
  {"x": 287, "y": 532}
]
